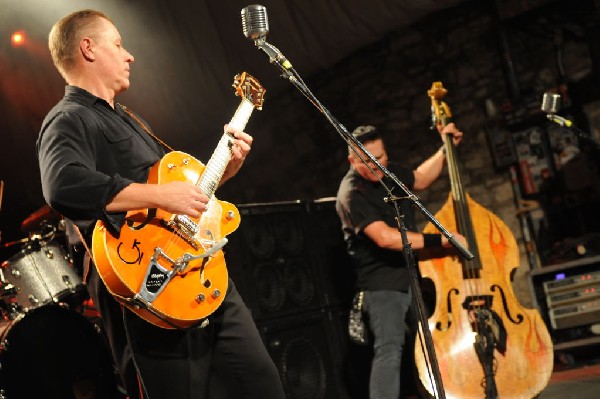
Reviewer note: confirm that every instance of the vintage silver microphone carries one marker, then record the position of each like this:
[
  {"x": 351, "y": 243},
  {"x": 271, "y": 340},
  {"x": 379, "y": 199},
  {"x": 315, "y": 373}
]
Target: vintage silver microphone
[
  {"x": 255, "y": 22},
  {"x": 255, "y": 25},
  {"x": 551, "y": 105}
]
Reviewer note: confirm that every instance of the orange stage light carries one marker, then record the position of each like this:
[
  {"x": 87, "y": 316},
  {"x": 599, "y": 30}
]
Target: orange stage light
[{"x": 18, "y": 39}]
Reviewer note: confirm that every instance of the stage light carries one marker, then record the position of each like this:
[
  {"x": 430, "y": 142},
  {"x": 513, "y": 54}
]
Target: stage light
[{"x": 18, "y": 39}]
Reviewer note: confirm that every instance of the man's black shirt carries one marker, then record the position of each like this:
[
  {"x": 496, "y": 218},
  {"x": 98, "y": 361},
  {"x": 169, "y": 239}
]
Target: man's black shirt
[
  {"x": 361, "y": 202},
  {"x": 98, "y": 141}
]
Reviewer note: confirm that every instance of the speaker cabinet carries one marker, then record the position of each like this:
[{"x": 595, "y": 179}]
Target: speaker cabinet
[
  {"x": 337, "y": 271},
  {"x": 307, "y": 351},
  {"x": 289, "y": 263},
  {"x": 287, "y": 258}
]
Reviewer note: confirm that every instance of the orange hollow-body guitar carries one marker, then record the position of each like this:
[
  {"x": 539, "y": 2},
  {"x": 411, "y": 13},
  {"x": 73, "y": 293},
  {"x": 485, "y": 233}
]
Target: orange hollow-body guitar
[{"x": 169, "y": 269}]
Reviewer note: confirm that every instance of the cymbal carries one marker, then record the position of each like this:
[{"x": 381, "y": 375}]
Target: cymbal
[{"x": 33, "y": 221}]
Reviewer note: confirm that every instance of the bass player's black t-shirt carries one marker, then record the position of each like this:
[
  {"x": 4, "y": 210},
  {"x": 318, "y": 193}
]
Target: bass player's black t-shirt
[{"x": 361, "y": 202}]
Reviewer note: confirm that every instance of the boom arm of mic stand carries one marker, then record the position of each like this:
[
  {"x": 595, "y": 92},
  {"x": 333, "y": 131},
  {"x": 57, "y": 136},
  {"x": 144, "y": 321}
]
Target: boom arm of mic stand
[
  {"x": 290, "y": 73},
  {"x": 464, "y": 252},
  {"x": 581, "y": 135},
  {"x": 296, "y": 80}
]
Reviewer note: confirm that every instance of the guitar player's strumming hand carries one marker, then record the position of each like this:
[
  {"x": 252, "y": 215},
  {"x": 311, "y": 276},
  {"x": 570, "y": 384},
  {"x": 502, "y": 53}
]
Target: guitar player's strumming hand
[
  {"x": 177, "y": 197},
  {"x": 180, "y": 197}
]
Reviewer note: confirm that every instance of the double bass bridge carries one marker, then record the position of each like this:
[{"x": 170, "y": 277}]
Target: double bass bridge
[{"x": 478, "y": 301}]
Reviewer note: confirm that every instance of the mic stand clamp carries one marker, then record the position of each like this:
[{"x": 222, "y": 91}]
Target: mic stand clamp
[{"x": 275, "y": 57}]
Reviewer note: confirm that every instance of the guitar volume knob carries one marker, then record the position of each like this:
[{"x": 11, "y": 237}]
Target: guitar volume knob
[
  {"x": 200, "y": 298},
  {"x": 215, "y": 294}
]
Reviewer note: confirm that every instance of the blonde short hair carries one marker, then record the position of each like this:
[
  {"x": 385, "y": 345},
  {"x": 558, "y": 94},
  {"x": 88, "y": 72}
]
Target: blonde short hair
[{"x": 65, "y": 35}]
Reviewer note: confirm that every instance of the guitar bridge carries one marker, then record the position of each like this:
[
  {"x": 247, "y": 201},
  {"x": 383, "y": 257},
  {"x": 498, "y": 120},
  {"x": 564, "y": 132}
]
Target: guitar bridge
[{"x": 185, "y": 228}]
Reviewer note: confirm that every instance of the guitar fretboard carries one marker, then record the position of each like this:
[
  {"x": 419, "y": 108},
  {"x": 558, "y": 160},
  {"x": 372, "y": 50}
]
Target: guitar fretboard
[{"x": 217, "y": 163}]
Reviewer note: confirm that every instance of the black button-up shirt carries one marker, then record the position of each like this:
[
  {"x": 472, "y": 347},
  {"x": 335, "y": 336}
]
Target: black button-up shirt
[{"x": 87, "y": 153}]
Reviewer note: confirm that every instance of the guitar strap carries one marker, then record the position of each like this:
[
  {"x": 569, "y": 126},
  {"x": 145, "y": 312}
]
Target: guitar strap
[
  {"x": 139, "y": 121},
  {"x": 86, "y": 266}
]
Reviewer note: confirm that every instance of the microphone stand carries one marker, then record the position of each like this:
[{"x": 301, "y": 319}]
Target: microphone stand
[
  {"x": 289, "y": 73},
  {"x": 581, "y": 135}
]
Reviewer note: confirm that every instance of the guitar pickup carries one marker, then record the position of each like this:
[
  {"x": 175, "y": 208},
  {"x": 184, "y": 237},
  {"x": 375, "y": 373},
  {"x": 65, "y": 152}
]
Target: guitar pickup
[
  {"x": 186, "y": 228},
  {"x": 186, "y": 225}
]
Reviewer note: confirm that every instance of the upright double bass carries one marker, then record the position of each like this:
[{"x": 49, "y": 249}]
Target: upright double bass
[{"x": 487, "y": 345}]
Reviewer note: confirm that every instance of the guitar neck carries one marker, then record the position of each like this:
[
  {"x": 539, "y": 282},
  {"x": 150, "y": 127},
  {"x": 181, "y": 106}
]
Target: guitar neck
[{"x": 217, "y": 163}]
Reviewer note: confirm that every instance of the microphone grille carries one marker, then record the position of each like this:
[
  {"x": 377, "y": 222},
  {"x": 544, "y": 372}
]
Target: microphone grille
[
  {"x": 255, "y": 23},
  {"x": 551, "y": 103}
]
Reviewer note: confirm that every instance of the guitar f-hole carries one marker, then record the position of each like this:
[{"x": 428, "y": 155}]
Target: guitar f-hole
[{"x": 206, "y": 283}]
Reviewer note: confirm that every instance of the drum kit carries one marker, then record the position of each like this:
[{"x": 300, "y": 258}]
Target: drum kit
[{"x": 50, "y": 346}]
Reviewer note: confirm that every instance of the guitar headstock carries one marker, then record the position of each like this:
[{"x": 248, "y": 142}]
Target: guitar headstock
[
  {"x": 250, "y": 89},
  {"x": 439, "y": 109}
]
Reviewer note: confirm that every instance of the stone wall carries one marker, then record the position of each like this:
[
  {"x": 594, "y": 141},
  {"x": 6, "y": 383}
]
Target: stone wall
[{"x": 298, "y": 154}]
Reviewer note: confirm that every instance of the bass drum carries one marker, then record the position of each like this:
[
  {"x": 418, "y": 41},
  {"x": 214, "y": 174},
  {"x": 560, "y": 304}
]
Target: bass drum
[{"x": 54, "y": 352}]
